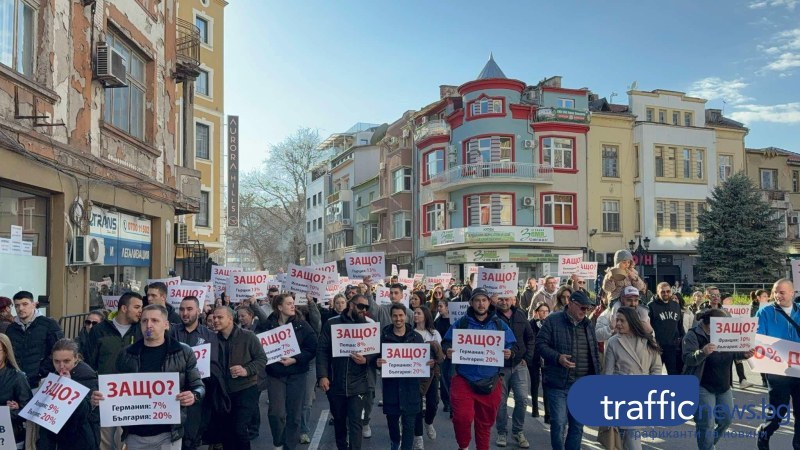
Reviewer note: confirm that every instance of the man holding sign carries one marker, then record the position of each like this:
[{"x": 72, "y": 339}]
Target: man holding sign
[
  {"x": 158, "y": 353},
  {"x": 475, "y": 390}
]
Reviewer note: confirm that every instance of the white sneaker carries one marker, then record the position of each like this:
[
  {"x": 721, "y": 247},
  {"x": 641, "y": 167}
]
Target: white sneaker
[
  {"x": 418, "y": 444},
  {"x": 305, "y": 439},
  {"x": 744, "y": 384},
  {"x": 366, "y": 432},
  {"x": 431, "y": 431}
]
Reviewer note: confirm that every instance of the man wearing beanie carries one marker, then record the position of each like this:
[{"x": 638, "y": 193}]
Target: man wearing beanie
[{"x": 622, "y": 260}]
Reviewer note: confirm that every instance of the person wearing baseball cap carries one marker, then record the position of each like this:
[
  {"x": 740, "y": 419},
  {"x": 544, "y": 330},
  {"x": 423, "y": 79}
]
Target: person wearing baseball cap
[{"x": 630, "y": 297}]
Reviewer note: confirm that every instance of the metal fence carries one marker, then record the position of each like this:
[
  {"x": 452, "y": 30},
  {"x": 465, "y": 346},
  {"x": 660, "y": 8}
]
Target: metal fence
[
  {"x": 734, "y": 288},
  {"x": 72, "y": 324}
]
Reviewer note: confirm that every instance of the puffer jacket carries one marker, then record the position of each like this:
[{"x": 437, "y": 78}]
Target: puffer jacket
[
  {"x": 180, "y": 358},
  {"x": 33, "y": 345},
  {"x": 397, "y": 392},
  {"x": 82, "y": 430},
  {"x": 554, "y": 339},
  {"x": 14, "y": 387},
  {"x": 346, "y": 377},
  {"x": 306, "y": 339},
  {"x": 105, "y": 344}
]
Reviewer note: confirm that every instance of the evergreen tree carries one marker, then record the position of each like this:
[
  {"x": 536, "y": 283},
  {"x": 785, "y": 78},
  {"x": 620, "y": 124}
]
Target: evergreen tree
[{"x": 739, "y": 235}]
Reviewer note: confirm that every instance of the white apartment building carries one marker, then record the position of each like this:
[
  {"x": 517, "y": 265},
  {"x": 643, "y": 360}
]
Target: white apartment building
[{"x": 316, "y": 193}]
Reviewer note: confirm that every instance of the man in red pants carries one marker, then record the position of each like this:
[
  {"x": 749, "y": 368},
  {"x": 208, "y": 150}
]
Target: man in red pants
[{"x": 475, "y": 390}]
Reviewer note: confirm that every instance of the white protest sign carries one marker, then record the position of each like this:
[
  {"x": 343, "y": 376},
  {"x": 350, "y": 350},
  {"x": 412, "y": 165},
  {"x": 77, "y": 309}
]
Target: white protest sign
[
  {"x": 457, "y": 310},
  {"x": 139, "y": 399},
  {"x": 502, "y": 282},
  {"x": 243, "y": 285},
  {"x": 447, "y": 276},
  {"x": 202, "y": 353},
  {"x": 406, "y": 360},
  {"x": 394, "y": 269},
  {"x": 172, "y": 281},
  {"x": 16, "y": 233},
  {"x": 361, "y": 265},
  {"x": 407, "y": 282},
  {"x": 587, "y": 270},
  {"x": 402, "y": 273},
  {"x": 175, "y": 294},
  {"x": 7, "y": 441},
  {"x": 111, "y": 302},
  {"x": 364, "y": 338},
  {"x": 312, "y": 280},
  {"x": 219, "y": 277},
  {"x": 775, "y": 356},
  {"x": 210, "y": 297},
  {"x": 431, "y": 282},
  {"x": 382, "y": 296},
  {"x": 280, "y": 342},
  {"x": 418, "y": 276},
  {"x": 478, "y": 347},
  {"x": 473, "y": 269},
  {"x": 737, "y": 310},
  {"x": 568, "y": 264},
  {"x": 733, "y": 334},
  {"x": 54, "y": 402},
  {"x": 796, "y": 274}
]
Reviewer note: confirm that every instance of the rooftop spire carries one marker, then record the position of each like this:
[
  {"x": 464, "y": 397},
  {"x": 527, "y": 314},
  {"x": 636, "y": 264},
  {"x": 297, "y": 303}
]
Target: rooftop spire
[{"x": 491, "y": 70}]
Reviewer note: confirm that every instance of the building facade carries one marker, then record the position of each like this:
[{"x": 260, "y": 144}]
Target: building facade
[
  {"x": 316, "y": 195},
  {"x": 88, "y": 129}
]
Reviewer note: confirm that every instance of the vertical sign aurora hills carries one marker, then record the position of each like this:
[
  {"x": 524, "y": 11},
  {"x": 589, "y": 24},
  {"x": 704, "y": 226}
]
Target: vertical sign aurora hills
[{"x": 233, "y": 171}]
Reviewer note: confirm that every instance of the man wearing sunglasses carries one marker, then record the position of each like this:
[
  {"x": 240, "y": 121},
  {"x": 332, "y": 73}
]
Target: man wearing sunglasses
[
  {"x": 345, "y": 378},
  {"x": 568, "y": 345}
]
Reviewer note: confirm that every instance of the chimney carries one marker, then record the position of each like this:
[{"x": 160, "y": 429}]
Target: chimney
[
  {"x": 446, "y": 90},
  {"x": 593, "y": 97},
  {"x": 713, "y": 115}
]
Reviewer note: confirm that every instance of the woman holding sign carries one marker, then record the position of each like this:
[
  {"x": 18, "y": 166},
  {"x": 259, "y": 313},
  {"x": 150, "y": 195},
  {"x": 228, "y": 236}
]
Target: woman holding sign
[
  {"x": 423, "y": 324},
  {"x": 14, "y": 389},
  {"x": 286, "y": 378},
  {"x": 82, "y": 430}
]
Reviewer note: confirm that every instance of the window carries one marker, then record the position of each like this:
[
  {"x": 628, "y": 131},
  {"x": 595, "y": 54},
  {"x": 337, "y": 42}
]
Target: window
[
  {"x": 315, "y": 249},
  {"x": 401, "y": 225},
  {"x": 557, "y": 152},
  {"x": 124, "y": 106},
  {"x": 308, "y": 226},
  {"x": 308, "y": 202},
  {"x": 676, "y": 118},
  {"x": 769, "y": 179},
  {"x": 662, "y": 116},
  {"x": 434, "y": 164},
  {"x": 202, "y": 25},
  {"x": 434, "y": 217},
  {"x": 202, "y": 216},
  {"x": 558, "y": 209},
  {"x": 610, "y": 161},
  {"x": 487, "y": 106},
  {"x": 795, "y": 181},
  {"x": 611, "y": 216},
  {"x": 315, "y": 201},
  {"x": 687, "y": 163},
  {"x": 659, "y": 153},
  {"x": 688, "y": 217},
  {"x": 687, "y": 119},
  {"x": 637, "y": 227},
  {"x": 650, "y": 114},
  {"x": 566, "y": 103},
  {"x": 490, "y": 209},
  {"x": 201, "y": 83},
  {"x": 401, "y": 180},
  {"x": 780, "y": 215},
  {"x": 374, "y": 235},
  {"x": 698, "y": 163},
  {"x": 490, "y": 149},
  {"x": 319, "y": 223},
  {"x": 201, "y": 140},
  {"x": 660, "y": 215},
  {"x": 319, "y": 248},
  {"x": 636, "y": 161},
  {"x": 673, "y": 216},
  {"x": 371, "y": 196},
  {"x": 17, "y": 35},
  {"x": 725, "y": 167}
]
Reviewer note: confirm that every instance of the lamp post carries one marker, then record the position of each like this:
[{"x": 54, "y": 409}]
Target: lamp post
[{"x": 639, "y": 252}]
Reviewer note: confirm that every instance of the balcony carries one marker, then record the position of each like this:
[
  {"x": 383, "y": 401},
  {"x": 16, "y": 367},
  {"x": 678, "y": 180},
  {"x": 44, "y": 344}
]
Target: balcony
[
  {"x": 562, "y": 115},
  {"x": 774, "y": 196},
  {"x": 344, "y": 195},
  {"x": 379, "y": 205},
  {"x": 187, "y": 50},
  {"x": 432, "y": 128},
  {"x": 187, "y": 181},
  {"x": 494, "y": 172}
]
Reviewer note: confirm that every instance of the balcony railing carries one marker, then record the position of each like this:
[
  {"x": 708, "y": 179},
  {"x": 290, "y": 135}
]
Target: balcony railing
[
  {"x": 778, "y": 196},
  {"x": 494, "y": 170},
  {"x": 187, "y": 50},
  {"x": 438, "y": 127},
  {"x": 562, "y": 115}
]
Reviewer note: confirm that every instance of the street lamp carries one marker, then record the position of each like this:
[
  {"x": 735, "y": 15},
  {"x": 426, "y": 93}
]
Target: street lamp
[{"x": 639, "y": 251}]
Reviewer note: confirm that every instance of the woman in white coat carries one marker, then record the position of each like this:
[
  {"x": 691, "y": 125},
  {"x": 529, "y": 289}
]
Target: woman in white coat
[{"x": 631, "y": 351}]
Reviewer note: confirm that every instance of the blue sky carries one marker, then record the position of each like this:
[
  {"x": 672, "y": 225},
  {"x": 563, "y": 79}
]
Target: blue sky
[{"x": 329, "y": 64}]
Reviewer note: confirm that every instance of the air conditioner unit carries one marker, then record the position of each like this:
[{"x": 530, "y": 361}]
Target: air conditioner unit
[
  {"x": 181, "y": 233},
  {"x": 530, "y": 143},
  {"x": 346, "y": 222},
  {"x": 110, "y": 66},
  {"x": 88, "y": 250},
  {"x": 451, "y": 206},
  {"x": 528, "y": 201},
  {"x": 792, "y": 220}
]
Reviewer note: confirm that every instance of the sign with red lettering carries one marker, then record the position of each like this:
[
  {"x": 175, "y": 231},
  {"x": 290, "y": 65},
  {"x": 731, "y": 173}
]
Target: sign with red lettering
[
  {"x": 279, "y": 343},
  {"x": 478, "y": 347},
  {"x": 587, "y": 270},
  {"x": 733, "y": 334},
  {"x": 203, "y": 355},
  {"x": 363, "y": 338},
  {"x": 302, "y": 280},
  {"x": 776, "y": 356},
  {"x": 243, "y": 285},
  {"x": 361, "y": 265},
  {"x": 431, "y": 282},
  {"x": 407, "y": 282},
  {"x": 111, "y": 302},
  {"x": 382, "y": 296},
  {"x": 139, "y": 399},
  {"x": 219, "y": 277},
  {"x": 175, "y": 294},
  {"x": 7, "y": 441},
  {"x": 737, "y": 310},
  {"x": 171, "y": 281},
  {"x": 418, "y": 277},
  {"x": 54, "y": 402},
  {"x": 502, "y": 282},
  {"x": 210, "y": 295},
  {"x": 406, "y": 360},
  {"x": 568, "y": 264}
]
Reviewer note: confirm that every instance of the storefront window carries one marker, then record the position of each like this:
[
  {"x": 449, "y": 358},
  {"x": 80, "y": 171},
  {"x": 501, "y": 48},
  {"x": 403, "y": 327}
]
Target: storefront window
[{"x": 23, "y": 254}]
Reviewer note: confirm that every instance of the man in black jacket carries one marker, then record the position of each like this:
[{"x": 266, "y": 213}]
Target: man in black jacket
[
  {"x": 515, "y": 373},
  {"x": 344, "y": 378},
  {"x": 666, "y": 318},
  {"x": 32, "y": 337},
  {"x": 157, "y": 295}
]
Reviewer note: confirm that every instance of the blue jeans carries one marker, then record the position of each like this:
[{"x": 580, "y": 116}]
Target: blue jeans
[
  {"x": 559, "y": 419},
  {"x": 515, "y": 379},
  {"x": 707, "y": 415}
]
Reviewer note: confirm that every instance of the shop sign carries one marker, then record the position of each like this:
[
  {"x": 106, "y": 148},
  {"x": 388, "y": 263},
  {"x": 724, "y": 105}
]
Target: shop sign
[
  {"x": 477, "y": 256},
  {"x": 522, "y": 255},
  {"x": 495, "y": 234},
  {"x": 126, "y": 237}
]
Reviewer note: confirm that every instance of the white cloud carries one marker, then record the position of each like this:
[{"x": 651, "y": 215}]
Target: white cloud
[
  {"x": 786, "y": 113},
  {"x": 713, "y": 88},
  {"x": 789, "y": 4},
  {"x": 785, "y": 54},
  {"x": 786, "y": 61}
]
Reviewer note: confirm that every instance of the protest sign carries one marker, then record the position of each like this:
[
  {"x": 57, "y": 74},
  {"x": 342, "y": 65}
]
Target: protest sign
[
  {"x": 447, "y": 276},
  {"x": 243, "y": 285},
  {"x": 54, "y": 402},
  {"x": 111, "y": 302},
  {"x": 382, "y": 296},
  {"x": 418, "y": 276},
  {"x": 139, "y": 399},
  {"x": 733, "y": 334},
  {"x": 775, "y": 356},
  {"x": 431, "y": 282},
  {"x": 219, "y": 277},
  {"x": 457, "y": 310},
  {"x": 361, "y": 265},
  {"x": 176, "y": 293},
  {"x": 280, "y": 342},
  {"x": 796, "y": 274},
  {"x": 406, "y": 360},
  {"x": 402, "y": 273},
  {"x": 394, "y": 269},
  {"x": 210, "y": 295},
  {"x": 171, "y": 281},
  {"x": 502, "y": 282},
  {"x": 407, "y": 282},
  {"x": 587, "y": 270},
  {"x": 478, "y": 347},
  {"x": 737, "y": 310},
  {"x": 473, "y": 269},
  {"x": 310, "y": 280},
  {"x": 568, "y": 264},
  {"x": 363, "y": 338},
  {"x": 7, "y": 441},
  {"x": 203, "y": 355}
]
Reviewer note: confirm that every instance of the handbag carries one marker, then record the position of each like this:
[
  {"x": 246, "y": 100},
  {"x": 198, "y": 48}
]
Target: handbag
[
  {"x": 484, "y": 386},
  {"x": 609, "y": 438}
]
